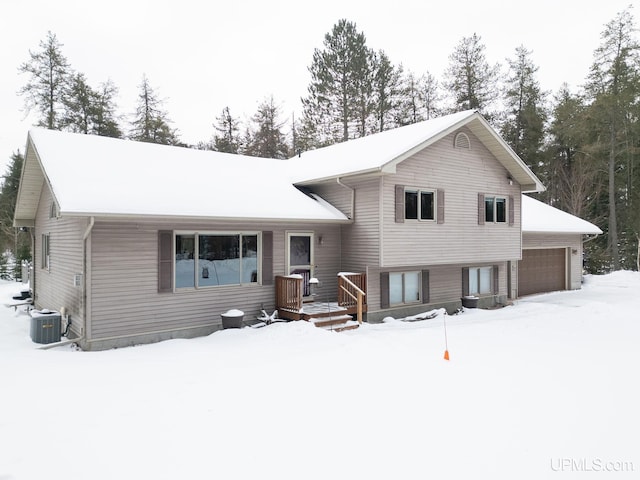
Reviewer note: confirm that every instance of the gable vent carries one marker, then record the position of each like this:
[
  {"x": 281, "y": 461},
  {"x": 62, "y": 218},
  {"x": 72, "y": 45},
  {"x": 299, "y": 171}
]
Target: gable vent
[{"x": 462, "y": 141}]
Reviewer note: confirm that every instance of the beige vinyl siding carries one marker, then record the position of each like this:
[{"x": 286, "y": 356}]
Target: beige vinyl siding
[
  {"x": 124, "y": 275},
  {"x": 572, "y": 242},
  {"x": 361, "y": 239},
  {"x": 54, "y": 287},
  {"x": 337, "y": 195},
  {"x": 462, "y": 174},
  {"x": 445, "y": 287}
]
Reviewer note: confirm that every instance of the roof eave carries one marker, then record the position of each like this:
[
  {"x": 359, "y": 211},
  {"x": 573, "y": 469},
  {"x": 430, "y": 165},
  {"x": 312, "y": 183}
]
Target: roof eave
[{"x": 199, "y": 218}]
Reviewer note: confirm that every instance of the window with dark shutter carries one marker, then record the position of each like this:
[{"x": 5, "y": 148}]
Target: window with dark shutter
[
  {"x": 425, "y": 286},
  {"x": 267, "y": 258},
  {"x": 165, "y": 261},
  {"x": 384, "y": 290},
  {"x": 512, "y": 216},
  {"x": 440, "y": 205},
  {"x": 481, "y": 209},
  {"x": 399, "y": 193}
]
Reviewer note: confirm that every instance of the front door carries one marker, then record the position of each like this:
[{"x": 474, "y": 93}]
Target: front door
[{"x": 300, "y": 258}]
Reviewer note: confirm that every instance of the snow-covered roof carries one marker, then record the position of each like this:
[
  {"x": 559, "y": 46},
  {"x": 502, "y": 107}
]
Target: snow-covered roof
[
  {"x": 538, "y": 217},
  {"x": 99, "y": 176},
  {"x": 92, "y": 175},
  {"x": 382, "y": 151}
]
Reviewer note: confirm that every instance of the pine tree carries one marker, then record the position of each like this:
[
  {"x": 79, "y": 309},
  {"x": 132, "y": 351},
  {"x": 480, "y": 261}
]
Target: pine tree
[
  {"x": 386, "y": 89},
  {"x": 79, "y": 105},
  {"x": 49, "y": 73},
  {"x": 227, "y": 138},
  {"x": 525, "y": 115},
  {"x": 430, "y": 96},
  {"x": 338, "y": 101},
  {"x": 105, "y": 118},
  {"x": 10, "y": 237},
  {"x": 409, "y": 109},
  {"x": 612, "y": 88},
  {"x": 150, "y": 122},
  {"x": 471, "y": 81},
  {"x": 265, "y": 137}
]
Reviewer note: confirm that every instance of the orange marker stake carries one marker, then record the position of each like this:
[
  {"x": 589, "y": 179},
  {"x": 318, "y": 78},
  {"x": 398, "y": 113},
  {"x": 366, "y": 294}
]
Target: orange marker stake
[{"x": 446, "y": 344}]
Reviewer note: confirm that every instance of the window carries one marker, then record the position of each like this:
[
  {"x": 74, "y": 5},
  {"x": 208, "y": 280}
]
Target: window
[
  {"x": 209, "y": 259},
  {"x": 495, "y": 209},
  {"x": 480, "y": 280},
  {"x": 46, "y": 250},
  {"x": 416, "y": 204},
  {"x": 404, "y": 288},
  {"x": 419, "y": 205},
  {"x": 53, "y": 210}
]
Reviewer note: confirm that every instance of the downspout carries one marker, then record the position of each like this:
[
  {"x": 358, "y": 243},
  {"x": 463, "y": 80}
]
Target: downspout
[
  {"x": 84, "y": 294},
  {"x": 85, "y": 311},
  {"x": 353, "y": 197}
]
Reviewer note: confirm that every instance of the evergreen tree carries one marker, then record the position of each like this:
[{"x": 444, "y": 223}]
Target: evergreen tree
[
  {"x": 10, "y": 237},
  {"x": 227, "y": 138},
  {"x": 338, "y": 101},
  {"x": 105, "y": 118},
  {"x": 525, "y": 115},
  {"x": 612, "y": 88},
  {"x": 49, "y": 74},
  {"x": 150, "y": 122},
  {"x": 409, "y": 109},
  {"x": 471, "y": 81},
  {"x": 79, "y": 105},
  {"x": 265, "y": 137},
  {"x": 430, "y": 96},
  {"x": 386, "y": 90}
]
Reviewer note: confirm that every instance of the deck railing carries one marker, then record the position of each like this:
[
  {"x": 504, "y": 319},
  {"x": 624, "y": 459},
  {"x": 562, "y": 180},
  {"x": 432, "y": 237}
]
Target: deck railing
[
  {"x": 351, "y": 291},
  {"x": 289, "y": 292}
]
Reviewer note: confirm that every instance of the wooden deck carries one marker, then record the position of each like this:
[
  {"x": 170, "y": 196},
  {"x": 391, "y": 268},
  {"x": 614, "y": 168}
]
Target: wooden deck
[{"x": 330, "y": 315}]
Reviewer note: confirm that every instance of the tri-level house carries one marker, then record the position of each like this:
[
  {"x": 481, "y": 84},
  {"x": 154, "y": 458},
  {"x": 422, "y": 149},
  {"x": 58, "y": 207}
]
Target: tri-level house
[{"x": 141, "y": 242}]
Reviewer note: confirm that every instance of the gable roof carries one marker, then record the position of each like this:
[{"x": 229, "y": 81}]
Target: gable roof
[
  {"x": 99, "y": 176},
  {"x": 538, "y": 217},
  {"x": 383, "y": 151}
]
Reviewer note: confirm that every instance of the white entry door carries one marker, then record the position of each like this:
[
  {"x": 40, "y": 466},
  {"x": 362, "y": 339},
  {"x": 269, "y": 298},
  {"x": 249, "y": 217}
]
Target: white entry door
[{"x": 300, "y": 258}]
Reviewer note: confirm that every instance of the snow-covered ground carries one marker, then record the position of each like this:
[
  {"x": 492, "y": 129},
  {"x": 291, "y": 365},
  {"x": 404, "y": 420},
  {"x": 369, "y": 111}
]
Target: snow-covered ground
[{"x": 547, "y": 388}]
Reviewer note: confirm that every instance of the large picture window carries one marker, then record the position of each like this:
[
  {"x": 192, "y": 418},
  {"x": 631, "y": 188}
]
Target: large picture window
[{"x": 209, "y": 259}]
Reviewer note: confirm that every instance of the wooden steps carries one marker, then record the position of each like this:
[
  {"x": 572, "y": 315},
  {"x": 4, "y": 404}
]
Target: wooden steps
[
  {"x": 327, "y": 315},
  {"x": 337, "y": 323}
]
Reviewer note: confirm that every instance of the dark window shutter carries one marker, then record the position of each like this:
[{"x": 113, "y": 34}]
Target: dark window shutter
[
  {"x": 399, "y": 203},
  {"x": 465, "y": 281},
  {"x": 384, "y": 290},
  {"x": 440, "y": 202},
  {"x": 267, "y": 258},
  {"x": 481, "y": 209},
  {"x": 496, "y": 279},
  {"x": 425, "y": 286},
  {"x": 165, "y": 261},
  {"x": 512, "y": 215}
]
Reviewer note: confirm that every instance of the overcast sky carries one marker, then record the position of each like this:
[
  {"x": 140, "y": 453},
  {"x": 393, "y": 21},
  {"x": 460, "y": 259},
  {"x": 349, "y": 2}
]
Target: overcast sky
[{"x": 201, "y": 56}]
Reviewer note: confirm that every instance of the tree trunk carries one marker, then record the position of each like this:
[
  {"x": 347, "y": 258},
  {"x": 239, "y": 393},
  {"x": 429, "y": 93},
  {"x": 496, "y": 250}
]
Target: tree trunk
[{"x": 613, "y": 224}]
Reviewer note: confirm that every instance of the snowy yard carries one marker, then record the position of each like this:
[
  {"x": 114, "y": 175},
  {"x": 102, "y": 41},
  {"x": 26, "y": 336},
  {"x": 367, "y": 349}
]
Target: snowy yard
[{"x": 547, "y": 388}]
